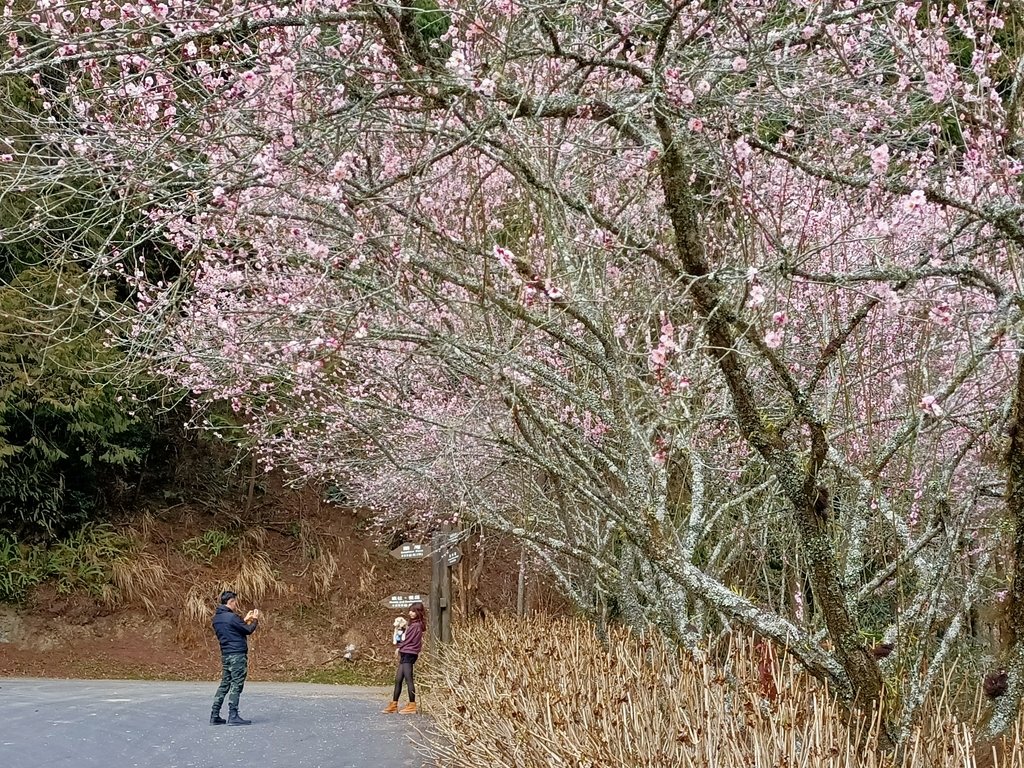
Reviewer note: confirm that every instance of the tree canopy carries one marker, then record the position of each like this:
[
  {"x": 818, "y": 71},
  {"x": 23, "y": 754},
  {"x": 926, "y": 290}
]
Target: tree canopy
[{"x": 715, "y": 305}]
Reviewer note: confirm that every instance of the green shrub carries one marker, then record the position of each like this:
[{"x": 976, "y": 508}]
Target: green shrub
[
  {"x": 429, "y": 19},
  {"x": 83, "y": 561},
  {"x": 68, "y": 433},
  {"x": 21, "y": 568},
  {"x": 207, "y": 546}
]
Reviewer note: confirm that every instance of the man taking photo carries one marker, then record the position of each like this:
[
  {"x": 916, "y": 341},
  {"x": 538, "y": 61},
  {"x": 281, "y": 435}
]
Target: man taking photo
[{"x": 233, "y": 633}]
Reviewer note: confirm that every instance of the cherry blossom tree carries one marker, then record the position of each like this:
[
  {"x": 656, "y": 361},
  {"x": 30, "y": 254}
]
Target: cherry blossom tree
[{"x": 714, "y": 305}]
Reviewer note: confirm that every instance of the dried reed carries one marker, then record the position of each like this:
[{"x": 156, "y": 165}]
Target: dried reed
[
  {"x": 257, "y": 578},
  {"x": 200, "y": 602},
  {"x": 545, "y": 692},
  {"x": 139, "y": 579},
  {"x": 322, "y": 573},
  {"x": 253, "y": 539}
]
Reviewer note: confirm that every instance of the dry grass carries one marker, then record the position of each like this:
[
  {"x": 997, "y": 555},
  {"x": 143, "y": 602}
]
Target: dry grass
[
  {"x": 253, "y": 539},
  {"x": 545, "y": 693},
  {"x": 322, "y": 573},
  {"x": 139, "y": 579},
  {"x": 142, "y": 528},
  {"x": 256, "y": 579},
  {"x": 322, "y": 567},
  {"x": 369, "y": 580},
  {"x": 193, "y": 625},
  {"x": 199, "y": 605}
]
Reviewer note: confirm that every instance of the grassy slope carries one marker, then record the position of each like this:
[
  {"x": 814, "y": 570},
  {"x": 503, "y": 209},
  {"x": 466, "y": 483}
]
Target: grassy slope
[{"x": 315, "y": 572}]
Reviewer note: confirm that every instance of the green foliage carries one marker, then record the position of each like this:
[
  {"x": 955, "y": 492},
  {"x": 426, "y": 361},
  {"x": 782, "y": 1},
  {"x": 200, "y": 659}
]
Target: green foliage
[
  {"x": 21, "y": 568},
  {"x": 206, "y": 547},
  {"x": 430, "y": 21},
  {"x": 67, "y": 433},
  {"x": 83, "y": 561}
]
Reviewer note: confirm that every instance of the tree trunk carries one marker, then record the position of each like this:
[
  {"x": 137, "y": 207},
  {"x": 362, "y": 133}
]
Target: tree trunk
[
  {"x": 251, "y": 490},
  {"x": 1007, "y": 706},
  {"x": 810, "y": 502}
]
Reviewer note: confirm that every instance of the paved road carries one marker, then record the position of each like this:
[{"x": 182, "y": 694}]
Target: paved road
[{"x": 137, "y": 724}]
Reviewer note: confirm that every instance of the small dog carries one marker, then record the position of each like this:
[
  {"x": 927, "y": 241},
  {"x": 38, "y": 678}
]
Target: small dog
[{"x": 399, "y": 634}]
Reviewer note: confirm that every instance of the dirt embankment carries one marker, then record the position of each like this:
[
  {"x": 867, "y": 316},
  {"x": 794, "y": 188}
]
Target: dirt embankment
[{"x": 315, "y": 571}]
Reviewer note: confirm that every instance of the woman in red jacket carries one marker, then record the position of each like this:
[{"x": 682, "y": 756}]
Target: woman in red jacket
[{"x": 408, "y": 650}]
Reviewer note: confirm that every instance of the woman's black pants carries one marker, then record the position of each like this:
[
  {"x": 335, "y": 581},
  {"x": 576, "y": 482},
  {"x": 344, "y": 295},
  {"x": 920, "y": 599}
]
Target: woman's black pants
[{"x": 404, "y": 673}]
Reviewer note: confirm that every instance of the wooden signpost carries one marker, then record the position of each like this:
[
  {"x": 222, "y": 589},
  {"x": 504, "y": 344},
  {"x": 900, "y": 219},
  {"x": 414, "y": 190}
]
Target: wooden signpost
[
  {"x": 443, "y": 554},
  {"x": 398, "y": 602},
  {"x": 409, "y": 552},
  {"x": 440, "y": 589}
]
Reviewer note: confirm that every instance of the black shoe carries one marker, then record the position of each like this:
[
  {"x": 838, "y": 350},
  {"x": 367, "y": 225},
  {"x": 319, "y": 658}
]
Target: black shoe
[
  {"x": 234, "y": 719},
  {"x": 216, "y": 719}
]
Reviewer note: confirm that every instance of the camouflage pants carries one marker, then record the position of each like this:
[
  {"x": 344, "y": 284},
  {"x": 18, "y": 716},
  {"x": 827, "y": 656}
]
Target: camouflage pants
[{"x": 234, "y": 667}]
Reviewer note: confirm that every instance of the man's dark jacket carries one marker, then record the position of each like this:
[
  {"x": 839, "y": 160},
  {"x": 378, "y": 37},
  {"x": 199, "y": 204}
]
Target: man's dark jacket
[{"x": 232, "y": 631}]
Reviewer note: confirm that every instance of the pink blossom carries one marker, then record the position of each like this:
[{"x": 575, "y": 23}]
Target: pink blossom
[
  {"x": 941, "y": 314},
  {"x": 507, "y": 8},
  {"x": 667, "y": 338},
  {"x": 773, "y": 339},
  {"x": 938, "y": 88},
  {"x": 930, "y": 405},
  {"x": 458, "y": 65},
  {"x": 681, "y": 96},
  {"x": 505, "y": 258},
  {"x": 879, "y": 159},
  {"x": 756, "y": 297},
  {"x": 486, "y": 87},
  {"x": 695, "y": 124},
  {"x": 914, "y": 202},
  {"x": 739, "y": 64}
]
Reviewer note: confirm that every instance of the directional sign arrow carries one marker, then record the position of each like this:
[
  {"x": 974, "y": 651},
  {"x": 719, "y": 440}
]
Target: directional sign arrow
[
  {"x": 401, "y": 601},
  {"x": 409, "y": 552}
]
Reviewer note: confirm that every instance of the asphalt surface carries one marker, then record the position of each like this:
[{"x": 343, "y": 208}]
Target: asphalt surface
[{"x": 136, "y": 724}]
